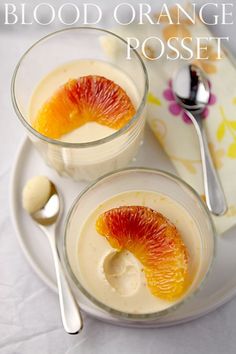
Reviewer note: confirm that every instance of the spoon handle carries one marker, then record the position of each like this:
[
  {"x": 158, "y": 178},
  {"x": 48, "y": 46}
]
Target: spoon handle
[
  {"x": 215, "y": 198},
  {"x": 71, "y": 317}
]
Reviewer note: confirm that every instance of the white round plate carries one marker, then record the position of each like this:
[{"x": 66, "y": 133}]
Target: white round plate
[{"x": 221, "y": 283}]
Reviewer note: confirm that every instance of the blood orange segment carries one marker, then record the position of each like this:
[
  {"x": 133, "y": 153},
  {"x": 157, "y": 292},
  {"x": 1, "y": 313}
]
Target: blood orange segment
[
  {"x": 90, "y": 98},
  {"x": 155, "y": 241}
]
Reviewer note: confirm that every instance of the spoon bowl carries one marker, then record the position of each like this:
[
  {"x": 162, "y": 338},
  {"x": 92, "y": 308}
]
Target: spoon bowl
[
  {"x": 49, "y": 214},
  {"x": 191, "y": 88}
]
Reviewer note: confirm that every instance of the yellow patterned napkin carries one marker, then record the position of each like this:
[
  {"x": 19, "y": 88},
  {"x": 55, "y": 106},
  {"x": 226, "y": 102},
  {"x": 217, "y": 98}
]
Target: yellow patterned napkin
[{"x": 173, "y": 128}]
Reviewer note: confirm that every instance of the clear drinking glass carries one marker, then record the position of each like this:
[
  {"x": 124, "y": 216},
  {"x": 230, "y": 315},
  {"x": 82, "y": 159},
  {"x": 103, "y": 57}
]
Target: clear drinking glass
[
  {"x": 138, "y": 179},
  {"x": 87, "y": 160}
]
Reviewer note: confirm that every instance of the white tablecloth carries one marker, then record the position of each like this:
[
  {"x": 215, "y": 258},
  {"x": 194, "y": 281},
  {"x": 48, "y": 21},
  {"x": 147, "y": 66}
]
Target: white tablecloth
[{"x": 29, "y": 312}]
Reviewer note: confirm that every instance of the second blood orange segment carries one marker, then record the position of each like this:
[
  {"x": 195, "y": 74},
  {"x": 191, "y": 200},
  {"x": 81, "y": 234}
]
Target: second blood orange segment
[{"x": 156, "y": 243}]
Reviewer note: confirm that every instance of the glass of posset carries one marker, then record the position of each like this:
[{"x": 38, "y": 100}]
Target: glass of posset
[
  {"x": 82, "y": 101},
  {"x": 138, "y": 243}
]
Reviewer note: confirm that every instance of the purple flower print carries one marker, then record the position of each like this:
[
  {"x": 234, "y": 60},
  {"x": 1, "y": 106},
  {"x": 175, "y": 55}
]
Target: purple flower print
[{"x": 176, "y": 110}]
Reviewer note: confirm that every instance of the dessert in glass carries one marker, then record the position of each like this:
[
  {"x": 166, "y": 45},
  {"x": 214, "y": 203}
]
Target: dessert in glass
[
  {"x": 83, "y": 108},
  {"x": 138, "y": 243}
]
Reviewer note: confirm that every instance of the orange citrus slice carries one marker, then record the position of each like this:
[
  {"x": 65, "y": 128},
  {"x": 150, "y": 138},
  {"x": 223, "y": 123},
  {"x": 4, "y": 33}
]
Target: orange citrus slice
[
  {"x": 90, "y": 98},
  {"x": 156, "y": 243}
]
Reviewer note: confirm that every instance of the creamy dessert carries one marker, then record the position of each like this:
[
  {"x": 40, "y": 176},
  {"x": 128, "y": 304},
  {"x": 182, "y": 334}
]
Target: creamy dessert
[
  {"x": 138, "y": 252},
  {"x": 84, "y": 101},
  {"x": 35, "y": 193}
]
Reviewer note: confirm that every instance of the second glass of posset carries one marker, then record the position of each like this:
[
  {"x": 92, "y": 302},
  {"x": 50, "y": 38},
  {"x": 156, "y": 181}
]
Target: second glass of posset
[{"x": 82, "y": 101}]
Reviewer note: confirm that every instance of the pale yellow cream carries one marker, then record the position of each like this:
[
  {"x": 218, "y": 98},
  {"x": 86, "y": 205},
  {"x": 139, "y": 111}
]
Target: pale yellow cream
[
  {"x": 88, "y": 163},
  {"x": 116, "y": 278},
  {"x": 36, "y": 193}
]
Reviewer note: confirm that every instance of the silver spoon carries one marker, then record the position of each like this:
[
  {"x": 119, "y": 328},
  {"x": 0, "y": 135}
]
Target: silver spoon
[
  {"x": 192, "y": 92},
  {"x": 47, "y": 218}
]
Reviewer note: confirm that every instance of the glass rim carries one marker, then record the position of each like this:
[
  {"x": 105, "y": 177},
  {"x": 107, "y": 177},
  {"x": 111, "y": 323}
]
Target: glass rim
[
  {"x": 90, "y": 143},
  {"x": 123, "y": 314}
]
